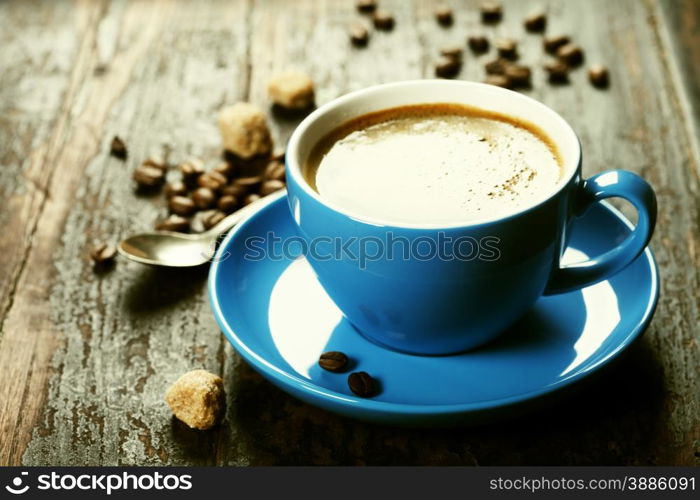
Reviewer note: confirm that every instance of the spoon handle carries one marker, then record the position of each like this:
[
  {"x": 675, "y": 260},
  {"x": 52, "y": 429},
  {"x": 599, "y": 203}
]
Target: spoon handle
[{"x": 233, "y": 219}]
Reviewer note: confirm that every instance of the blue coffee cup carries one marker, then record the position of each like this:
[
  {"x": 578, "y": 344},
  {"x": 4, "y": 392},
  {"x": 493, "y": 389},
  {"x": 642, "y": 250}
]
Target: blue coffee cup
[{"x": 394, "y": 282}]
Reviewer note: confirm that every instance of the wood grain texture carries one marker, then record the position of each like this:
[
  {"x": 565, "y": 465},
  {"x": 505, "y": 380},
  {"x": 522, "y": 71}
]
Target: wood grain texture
[{"x": 85, "y": 357}]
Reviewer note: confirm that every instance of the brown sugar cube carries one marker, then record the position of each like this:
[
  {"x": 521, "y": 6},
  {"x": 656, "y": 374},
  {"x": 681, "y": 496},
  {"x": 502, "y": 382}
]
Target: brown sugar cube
[
  {"x": 197, "y": 398},
  {"x": 244, "y": 130},
  {"x": 291, "y": 89}
]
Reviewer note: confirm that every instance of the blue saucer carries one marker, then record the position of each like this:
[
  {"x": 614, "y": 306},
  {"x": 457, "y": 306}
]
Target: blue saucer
[{"x": 280, "y": 320}]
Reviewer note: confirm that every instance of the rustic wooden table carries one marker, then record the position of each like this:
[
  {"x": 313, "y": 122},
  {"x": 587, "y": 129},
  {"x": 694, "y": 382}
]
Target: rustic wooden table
[{"x": 85, "y": 358}]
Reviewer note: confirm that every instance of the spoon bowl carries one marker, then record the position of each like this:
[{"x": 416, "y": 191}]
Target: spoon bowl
[{"x": 169, "y": 249}]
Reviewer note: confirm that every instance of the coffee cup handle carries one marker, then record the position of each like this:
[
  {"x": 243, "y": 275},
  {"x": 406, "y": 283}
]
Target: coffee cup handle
[{"x": 615, "y": 183}]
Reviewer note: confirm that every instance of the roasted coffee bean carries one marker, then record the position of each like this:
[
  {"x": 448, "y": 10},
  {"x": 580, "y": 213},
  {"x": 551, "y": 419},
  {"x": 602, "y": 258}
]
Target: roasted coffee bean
[
  {"x": 496, "y": 67},
  {"x": 251, "y": 183},
  {"x": 174, "y": 223},
  {"x": 447, "y": 67},
  {"x": 571, "y": 54},
  {"x": 237, "y": 190},
  {"x": 598, "y": 75},
  {"x": 478, "y": 44},
  {"x": 191, "y": 170},
  {"x": 203, "y": 198},
  {"x": 499, "y": 81},
  {"x": 383, "y": 20},
  {"x": 182, "y": 205},
  {"x": 366, "y": 5},
  {"x": 118, "y": 148},
  {"x": 227, "y": 203},
  {"x": 333, "y": 361},
  {"x": 213, "y": 180},
  {"x": 558, "y": 72},
  {"x": 359, "y": 34},
  {"x": 491, "y": 12},
  {"x": 536, "y": 23},
  {"x": 507, "y": 48},
  {"x": 148, "y": 177},
  {"x": 444, "y": 15},
  {"x": 156, "y": 162},
  {"x": 362, "y": 384},
  {"x": 103, "y": 254},
  {"x": 452, "y": 51},
  {"x": 175, "y": 188},
  {"x": 519, "y": 76},
  {"x": 251, "y": 198},
  {"x": 552, "y": 43},
  {"x": 212, "y": 218},
  {"x": 269, "y": 187},
  {"x": 226, "y": 169},
  {"x": 275, "y": 170}
]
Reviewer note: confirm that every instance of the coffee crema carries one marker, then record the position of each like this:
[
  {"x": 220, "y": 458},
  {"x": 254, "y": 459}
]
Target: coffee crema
[{"x": 434, "y": 164}]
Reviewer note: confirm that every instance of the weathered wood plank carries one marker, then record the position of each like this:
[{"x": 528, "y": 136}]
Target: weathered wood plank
[
  {"x": 106, "y": 340},
  {"x": 89, "y": 355},
  {"x": 682, "y": 22},
  {"x": 34, "y": 91},
  {"x": 38, "y": 88}
]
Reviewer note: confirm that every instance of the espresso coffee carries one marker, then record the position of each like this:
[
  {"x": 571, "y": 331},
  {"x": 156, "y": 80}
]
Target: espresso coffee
[{"x": 437, "y": 164}]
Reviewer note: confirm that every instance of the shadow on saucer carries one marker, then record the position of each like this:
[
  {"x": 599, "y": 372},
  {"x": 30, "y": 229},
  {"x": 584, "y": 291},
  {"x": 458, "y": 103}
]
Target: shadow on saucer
[{"x": 610, "y": 418}]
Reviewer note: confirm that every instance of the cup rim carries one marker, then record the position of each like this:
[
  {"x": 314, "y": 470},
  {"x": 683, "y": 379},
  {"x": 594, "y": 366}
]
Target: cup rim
[{"x": 294, "y": 171}]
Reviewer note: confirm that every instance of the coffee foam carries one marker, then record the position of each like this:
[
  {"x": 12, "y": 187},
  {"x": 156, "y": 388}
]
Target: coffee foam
[{"x": 443, "y": 164}]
